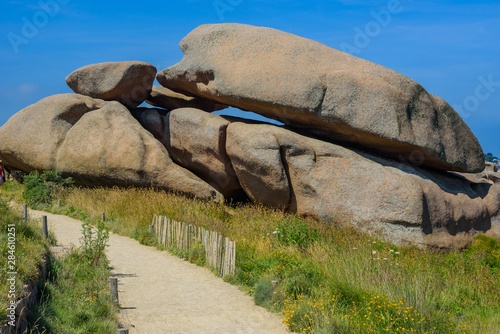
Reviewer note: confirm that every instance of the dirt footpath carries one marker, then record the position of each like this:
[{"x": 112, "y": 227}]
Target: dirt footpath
[{"x": 160, "y": 293}]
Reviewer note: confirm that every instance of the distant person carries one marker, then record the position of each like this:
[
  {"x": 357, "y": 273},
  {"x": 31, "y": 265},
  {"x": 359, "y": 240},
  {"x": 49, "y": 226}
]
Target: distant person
[{"x": 2, "y": 174}]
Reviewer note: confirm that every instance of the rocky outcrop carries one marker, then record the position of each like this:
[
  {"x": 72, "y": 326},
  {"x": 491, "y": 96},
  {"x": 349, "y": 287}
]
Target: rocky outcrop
[
  {"x": 196, "y": 140},
  {"x": 315, "y": 178},
  {"x": 306, "y": 84},
  {"x": 487, "y": 184},
  {"x": 165, "y": 98},
  {"x": 362, "y": 144},
  {"x": 97, "y": 143},
  {"x": 128, "y": 82}
]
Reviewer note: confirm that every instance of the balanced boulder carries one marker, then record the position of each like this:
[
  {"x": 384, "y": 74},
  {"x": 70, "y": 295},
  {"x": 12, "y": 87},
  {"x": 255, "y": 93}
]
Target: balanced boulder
[
  {"x": 128, "y": 82},
  {"x": 306, "y": 84},
  {"x": 97, "y": 143},
  {"x": 165, "y": 98}
]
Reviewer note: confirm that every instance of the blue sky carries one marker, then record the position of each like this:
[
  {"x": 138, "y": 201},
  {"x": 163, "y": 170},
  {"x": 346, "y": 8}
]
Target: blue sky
[{"x": 452, "y": 48}]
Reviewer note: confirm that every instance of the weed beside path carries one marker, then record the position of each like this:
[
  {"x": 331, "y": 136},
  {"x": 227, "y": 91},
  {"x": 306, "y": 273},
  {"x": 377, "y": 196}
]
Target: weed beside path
[{"x": 75, "y": 299}]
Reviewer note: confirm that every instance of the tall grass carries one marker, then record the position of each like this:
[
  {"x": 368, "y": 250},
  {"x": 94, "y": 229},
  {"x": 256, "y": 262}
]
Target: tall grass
[
  {"x": 331, "y": 278},
  {"x": 26, "y": 258},
  {"x": 75, "y": 299},
  {"x": 130, "y": 211}
]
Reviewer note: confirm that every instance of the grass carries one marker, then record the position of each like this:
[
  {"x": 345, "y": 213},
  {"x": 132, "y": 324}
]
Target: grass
[
  {"x": 30, "y": 251},
  {"x": 75, "y": 298},
  {"x": 331, "y": 278}
]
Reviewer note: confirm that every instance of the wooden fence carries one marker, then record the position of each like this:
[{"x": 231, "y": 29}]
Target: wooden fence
[{"x": 220, "y": 252}]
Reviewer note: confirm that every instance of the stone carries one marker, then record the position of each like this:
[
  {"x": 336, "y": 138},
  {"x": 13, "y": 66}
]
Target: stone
[
  {"x": 165, "y": 98},
  {"x": 256, "y": 158},
  {"x": 195, "y": 140},
  {"x": 128, "y": 82},
  {"x": 95, "y": 142},
  {"x": 332, "y": 94},
  {"x": 487, "y": 184},
  {"x": 310, "y": 177},
  {"x": 490, "y": 173}
]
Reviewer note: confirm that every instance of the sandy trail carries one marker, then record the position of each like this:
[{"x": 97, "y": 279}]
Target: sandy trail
[{"x": 160, "y": 293}]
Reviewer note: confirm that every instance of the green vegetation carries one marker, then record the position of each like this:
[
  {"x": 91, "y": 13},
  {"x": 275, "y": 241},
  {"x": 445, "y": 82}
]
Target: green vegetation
[
  {"x": 330, "y": 279},
  {"x": 75, "y": 298},
  {"x": 12, "y": 191},
  {"x": 488, "y": 157},
  {"x": 40, "y": 189},
  {"x": 94, "y": 243},
  {"x": 30, "y": 251}
]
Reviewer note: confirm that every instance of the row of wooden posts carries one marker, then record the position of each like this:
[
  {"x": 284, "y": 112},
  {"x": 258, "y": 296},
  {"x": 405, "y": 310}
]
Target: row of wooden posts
[
  {"x": 45, "y": 228},
  {"x": 220, "y": 252}
]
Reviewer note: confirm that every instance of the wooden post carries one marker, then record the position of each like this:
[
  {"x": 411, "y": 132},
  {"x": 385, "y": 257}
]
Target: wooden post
[
  {"x": 164, "y": 232},
  {"x": 45, "y": 228},
  {"x": 58, "y": 203},
  {"x": 152, "y": 228},
  {"x": 113, "y": 288},
  {"x": 103, "y": 217},
  {"x": 233, "y": 258},
  {"x": 153, "y": 223},
  {"x": 25, "y": 213},
  {"x": 274, "y": 284},
  {"x": 158, "y": 230},
  {"x": 122, "y": 331}
]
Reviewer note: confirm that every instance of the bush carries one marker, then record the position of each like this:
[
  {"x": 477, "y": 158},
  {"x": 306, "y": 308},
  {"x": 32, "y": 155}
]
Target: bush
[
  {"x": 296, "y": 232},
  {"x": 264, "y": 292},
  {"x": 41, "y": 188}
]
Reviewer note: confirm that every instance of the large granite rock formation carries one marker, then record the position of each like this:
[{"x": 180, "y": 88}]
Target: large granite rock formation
[
  {"x": 397, "y": 175},
  {"x": 129, "y": 82},
  {"x": 306, "y": 84},
  {"x": 96, "y": 142}
]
